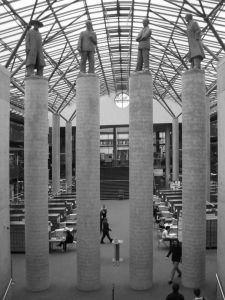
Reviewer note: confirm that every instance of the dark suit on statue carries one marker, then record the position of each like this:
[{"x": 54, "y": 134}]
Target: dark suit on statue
[{"x": 86, "y": 46}]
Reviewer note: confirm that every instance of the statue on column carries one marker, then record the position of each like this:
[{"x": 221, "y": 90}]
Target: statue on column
[
  {"x": 196, "y": 52},
  {"x": 143, "y": 47},
  {"x": 34, "y": 51},
  {"x": 86, "y": 47}
]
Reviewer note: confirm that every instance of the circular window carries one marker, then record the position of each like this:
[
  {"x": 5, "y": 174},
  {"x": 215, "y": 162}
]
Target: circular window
[{"x": 122, "y": 100}]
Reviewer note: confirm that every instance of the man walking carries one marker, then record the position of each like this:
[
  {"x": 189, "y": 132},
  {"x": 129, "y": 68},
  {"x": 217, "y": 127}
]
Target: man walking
[{"x": 176, "y": 252}]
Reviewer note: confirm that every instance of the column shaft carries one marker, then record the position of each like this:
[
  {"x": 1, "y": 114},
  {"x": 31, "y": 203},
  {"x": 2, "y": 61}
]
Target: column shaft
[
  {"x": 5, "y": 257},
  {"x": 141, "y": 181},
  {"x": 88, "y": 183},
  {"x": 167, "y": 150},
  {"x": 221, "y": 176},
  {"x": 36, "y": 183},
  {"x": 114, "y": 147},
  {"x": 55, "y": 153},
  {"x": 175, "y": 150},
  {"x": 194, "y": 177},
  {"x": 69, "y": 156}
]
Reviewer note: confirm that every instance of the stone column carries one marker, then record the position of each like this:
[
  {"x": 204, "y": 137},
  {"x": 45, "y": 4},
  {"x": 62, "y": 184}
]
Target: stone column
[
  {"x": 115, "y": 146},
  {"x": 157, "y": 142},
  {"x": 194, "y": 177},
  {"x": 36, "y": 183},
  {"x": 5, "y": 257},
  {"x": 141, "y": 180},
  {"x": 208, "y": 150},
  {"x": 69, "y": 156},
  {"x": 88, "y": 182},
  {"x": 167, "y": 154},
  {"x": 221, "y": 175},
  {"x": 55, "y": 153},
  {"x": 175, "y": 149}
]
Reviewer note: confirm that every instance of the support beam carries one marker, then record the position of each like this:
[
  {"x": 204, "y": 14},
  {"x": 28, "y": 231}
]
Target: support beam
[
  {"x": 221, "y": 175},
  {"x": 141, "y": 180},
  {"x": 69, "y": 156},
  {"x": 175, "y": 148},
  {"x": 88, "y": 182},
  {"x": 5, "y": 257},
  {"x": 194, "y": 149},
  {"x": 55, "y": 153},
  {"x": 167, "y": 150},
  {"x": 36, "y": 183}
]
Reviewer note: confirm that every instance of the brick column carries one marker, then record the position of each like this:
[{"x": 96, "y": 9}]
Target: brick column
[
  {"x": 141, "y": 180},
  {"x": 69, "y": 156},
  {"x": 36, "y": 183},
  {"x": 167, "y": 154},
  {"x": 55, "y": 153},
  {"x": 221, "y": 175},
  {"x": 194, "y": 177},
  {"x": 5, "y": 257},
  {"x": 175, "y": 149},
  {"x": 88, "y": 182}
]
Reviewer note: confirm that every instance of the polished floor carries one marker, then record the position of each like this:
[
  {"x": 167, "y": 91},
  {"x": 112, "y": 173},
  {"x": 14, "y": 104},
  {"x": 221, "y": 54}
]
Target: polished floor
[{"x": 63, "y": 270}]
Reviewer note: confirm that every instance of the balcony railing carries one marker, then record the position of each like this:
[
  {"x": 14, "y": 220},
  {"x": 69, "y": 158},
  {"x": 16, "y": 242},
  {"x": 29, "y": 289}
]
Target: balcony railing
[{"x": 220, "y": 286}]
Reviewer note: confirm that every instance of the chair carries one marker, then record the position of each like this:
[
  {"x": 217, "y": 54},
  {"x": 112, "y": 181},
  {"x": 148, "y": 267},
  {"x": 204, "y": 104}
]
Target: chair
[
  {"x": 71, "y": 245},
  {"x": 166, "y": 243},
  {"x": 121, "y": 194}
]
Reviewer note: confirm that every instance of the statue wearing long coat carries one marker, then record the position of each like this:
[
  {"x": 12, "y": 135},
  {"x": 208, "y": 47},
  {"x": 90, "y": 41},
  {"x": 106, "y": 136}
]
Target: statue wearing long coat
[
  {"x": 34, "y": 49},
  {"x": 194, "y": 39}
]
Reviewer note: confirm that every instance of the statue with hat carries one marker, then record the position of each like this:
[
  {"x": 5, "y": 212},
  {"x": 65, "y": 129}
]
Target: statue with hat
[
  {"x": 34, "y": 50},
  {"x": 143, "y": 47},
  {"x": 196, "y": 52},
  {"x": 86, "y": 46}
]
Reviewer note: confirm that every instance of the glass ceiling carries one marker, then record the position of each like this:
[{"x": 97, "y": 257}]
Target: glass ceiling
[{"x": 116, "y": 24}]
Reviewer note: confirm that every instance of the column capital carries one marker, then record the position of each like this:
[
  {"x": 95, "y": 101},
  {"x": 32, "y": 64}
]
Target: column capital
[
  {"x": 141, "y": 73},
  {"x": 35, "y": 77}
]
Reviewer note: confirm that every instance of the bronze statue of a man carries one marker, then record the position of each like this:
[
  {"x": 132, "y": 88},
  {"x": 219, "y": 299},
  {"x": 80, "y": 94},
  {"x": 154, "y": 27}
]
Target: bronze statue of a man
[
  {"x": 196, "y": 52},
  {"x": 86, "y": 46},
  {"x": 143, "y": 47},
  {"x": 34, "y": 51}
]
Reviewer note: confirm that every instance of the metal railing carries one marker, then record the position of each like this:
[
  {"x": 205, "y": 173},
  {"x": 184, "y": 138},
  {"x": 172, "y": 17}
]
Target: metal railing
[
  {"x": 8, "y": 287},
  {"x": 220, "y": 286}
]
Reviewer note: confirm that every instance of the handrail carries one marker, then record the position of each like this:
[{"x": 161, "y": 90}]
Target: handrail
[
  {"x": 220, "y": 286},
  {"x": 6, "y": 292}
]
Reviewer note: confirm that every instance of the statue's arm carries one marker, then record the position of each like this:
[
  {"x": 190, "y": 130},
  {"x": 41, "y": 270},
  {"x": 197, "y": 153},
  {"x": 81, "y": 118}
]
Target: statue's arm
[
  {"x": 146, "y": 35},
  {"x": 138, "y": 39},
  {"x": 28, "y": 42},
  {"x": 79, "y": 43},
  {"x": 197, "y": 31},
  {"x": 93, "y": 38}
]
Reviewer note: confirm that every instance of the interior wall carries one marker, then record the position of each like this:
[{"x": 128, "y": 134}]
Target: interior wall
[{"x": 110, "y": 114}]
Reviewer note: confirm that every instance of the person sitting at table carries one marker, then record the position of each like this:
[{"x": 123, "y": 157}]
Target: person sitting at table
[
  {"x": 162, "y": 224},
  {"x": 166, "y": 234},
  {"x": 68, "y": 240}
]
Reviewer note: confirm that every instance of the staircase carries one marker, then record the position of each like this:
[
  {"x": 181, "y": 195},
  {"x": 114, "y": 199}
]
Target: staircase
[{"x": 114, "y": 183}]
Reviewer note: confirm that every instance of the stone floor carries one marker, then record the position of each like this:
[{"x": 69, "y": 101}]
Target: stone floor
[{"x": 63, "y": 270}]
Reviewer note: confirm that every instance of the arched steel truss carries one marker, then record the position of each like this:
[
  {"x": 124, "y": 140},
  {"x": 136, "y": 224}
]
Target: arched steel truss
[{"x": 116, "y": 24}]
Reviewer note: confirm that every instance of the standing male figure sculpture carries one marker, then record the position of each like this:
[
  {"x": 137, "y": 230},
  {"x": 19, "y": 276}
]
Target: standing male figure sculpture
[
  {"x": 86, "y": 47},
  {"x": 34, "y": 51},
  {"x": 144, "y": 46},
  {"x": 196, "y": 52}
]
